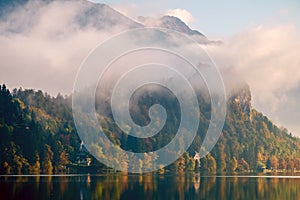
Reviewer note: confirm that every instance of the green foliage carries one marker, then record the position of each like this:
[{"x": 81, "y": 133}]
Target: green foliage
[
  {"x": 30, "y": 122},
  {"x": 233, "y": 165},
  {"x": 243, "y": 166},
  {"x": 208, "y": 164},
  {"x": 37, "y": 134},
  {"x": 47, "y": 166}
]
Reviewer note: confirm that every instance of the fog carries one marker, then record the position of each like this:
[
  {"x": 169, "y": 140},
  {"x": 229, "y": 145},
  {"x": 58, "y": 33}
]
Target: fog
[
  {"x": 268, "y": 59},
  {"x": 43, "y": 45}
]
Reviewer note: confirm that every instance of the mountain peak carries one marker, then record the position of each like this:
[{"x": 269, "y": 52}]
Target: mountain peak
[
  {"x": 242, "y": 97},
  {"x": 177, "y": 24},
  {"x": 170, "y": 22}
]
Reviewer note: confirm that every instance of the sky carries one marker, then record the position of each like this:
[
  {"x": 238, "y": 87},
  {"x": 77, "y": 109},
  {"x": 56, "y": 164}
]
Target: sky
[
  {"x": 261, "y": 42},
  {"x": 216, "y": 18}
]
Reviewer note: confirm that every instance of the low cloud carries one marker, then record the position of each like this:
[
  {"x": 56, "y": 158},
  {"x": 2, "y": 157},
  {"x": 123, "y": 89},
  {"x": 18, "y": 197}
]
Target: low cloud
[
  {"x": 268, "y": 58},
  {"x": 42, "y": 45}
]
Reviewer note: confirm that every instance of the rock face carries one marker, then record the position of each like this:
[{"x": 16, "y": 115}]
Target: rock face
[{"x": 242, "y": 97}]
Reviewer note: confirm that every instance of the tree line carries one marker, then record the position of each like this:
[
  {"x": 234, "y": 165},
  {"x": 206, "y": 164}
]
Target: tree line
[{"x": 38, "y": 135}]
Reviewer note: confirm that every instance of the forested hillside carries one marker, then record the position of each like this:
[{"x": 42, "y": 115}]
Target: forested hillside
[
  {"x": 36, "y": 132},
  {"x": 37, "y": 135}
]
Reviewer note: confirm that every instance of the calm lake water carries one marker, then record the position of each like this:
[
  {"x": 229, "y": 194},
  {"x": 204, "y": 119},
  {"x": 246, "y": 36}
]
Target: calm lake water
[{"x": 118, "y": 186}]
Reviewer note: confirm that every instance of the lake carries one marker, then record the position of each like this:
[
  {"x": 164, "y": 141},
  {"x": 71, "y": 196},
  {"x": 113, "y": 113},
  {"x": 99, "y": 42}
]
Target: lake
[{"x": 122, "y": 186}]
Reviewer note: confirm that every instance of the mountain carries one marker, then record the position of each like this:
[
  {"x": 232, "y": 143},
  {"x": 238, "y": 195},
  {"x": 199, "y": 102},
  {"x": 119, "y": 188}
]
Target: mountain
[
  {"x": 102, "y": 16},
  {"x": 37, "y": 131},
  {"x": 169, "y": 22},
  {"x": 37, "y": 134},
  {"x": 97, "y": 15},
  {"x": 88, "y": 14},
  {"x": 176, "y": 24}
]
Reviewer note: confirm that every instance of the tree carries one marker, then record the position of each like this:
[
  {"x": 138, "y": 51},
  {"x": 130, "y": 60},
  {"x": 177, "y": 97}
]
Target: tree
[
  {"x": 35, "y": 169},
  {"x": 7, "y": 168},
  {"x": 208, "y": 164},
  {"x": 180, "y": 164},
  {"x": 282, "y": 163},
  {"x": 47, "y": 162},
  {"x": 233, "y": 164},
  {"x": 260, "y": 166},
  {"x": 63, "y": 160},
  {"x": 204, "y": 164},
  {"x": 290, "y": 164},
  {"x": 272, "y": 162},
  {"x": 243, "y": 165},
  {"x": 269, "y": 164},
  {"x": 189, "y": 162},
  {"x": 221, "y": 164}
]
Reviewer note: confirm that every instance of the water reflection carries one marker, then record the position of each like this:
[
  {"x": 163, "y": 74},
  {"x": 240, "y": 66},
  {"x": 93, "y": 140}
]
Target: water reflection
[{"x": 148, "y": 186}]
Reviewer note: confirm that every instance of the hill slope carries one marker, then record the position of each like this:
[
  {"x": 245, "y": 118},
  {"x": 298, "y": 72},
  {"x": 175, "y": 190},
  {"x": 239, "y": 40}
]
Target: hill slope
[{"x": 37, "y": 134}]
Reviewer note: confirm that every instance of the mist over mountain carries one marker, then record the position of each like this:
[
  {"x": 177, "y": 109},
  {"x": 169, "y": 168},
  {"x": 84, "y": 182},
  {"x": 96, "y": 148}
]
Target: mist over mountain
[
  {"x": 38, "y": 135},
  {"x": 53, "y": 44},
  {"x": 54, "y": 37}
]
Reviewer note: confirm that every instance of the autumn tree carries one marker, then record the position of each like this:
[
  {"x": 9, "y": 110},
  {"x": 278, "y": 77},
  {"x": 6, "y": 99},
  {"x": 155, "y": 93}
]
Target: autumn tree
[
  {"x": 47, "y": 161},
  {"x": 243, "y": 165},
  {"x": 233, "y": 165}
]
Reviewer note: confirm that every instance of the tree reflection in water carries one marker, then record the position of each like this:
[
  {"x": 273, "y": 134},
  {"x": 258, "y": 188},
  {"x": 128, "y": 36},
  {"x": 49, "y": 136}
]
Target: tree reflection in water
[{"x": 148, "y": 186}]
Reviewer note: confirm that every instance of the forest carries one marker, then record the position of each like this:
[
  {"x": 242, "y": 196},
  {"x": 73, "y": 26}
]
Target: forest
[{"x": 38, "y": 135}]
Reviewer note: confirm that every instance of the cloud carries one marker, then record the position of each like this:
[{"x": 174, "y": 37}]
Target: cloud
[
  {"x": 268, "y": 58},
  {"x": 43, "y": 45},
  {"x": 182, "y": 14}
]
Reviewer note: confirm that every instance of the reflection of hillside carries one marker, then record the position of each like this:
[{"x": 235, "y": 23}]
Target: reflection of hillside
[{"x": 124, "y": 186}]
